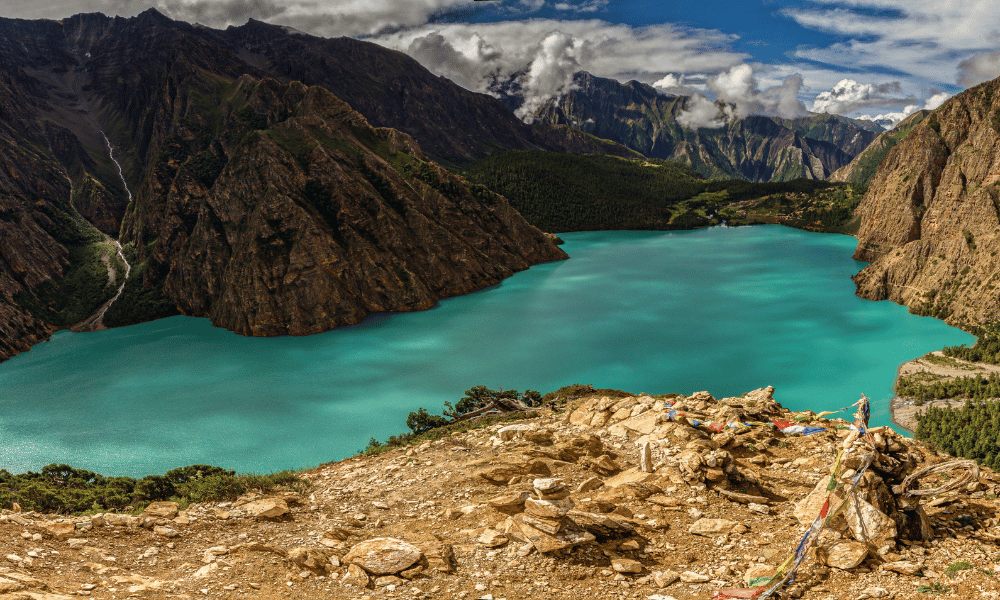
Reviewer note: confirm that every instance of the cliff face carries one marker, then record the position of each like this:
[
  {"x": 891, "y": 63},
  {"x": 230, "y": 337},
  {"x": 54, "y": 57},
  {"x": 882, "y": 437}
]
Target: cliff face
[
  {"x": 271, "y": 207},
  {"x": 930, "y": 219},
  {"x": 861, "y": 170},
  {"x": 310, "y": 218},
  {"x": 755, "y": 148}
]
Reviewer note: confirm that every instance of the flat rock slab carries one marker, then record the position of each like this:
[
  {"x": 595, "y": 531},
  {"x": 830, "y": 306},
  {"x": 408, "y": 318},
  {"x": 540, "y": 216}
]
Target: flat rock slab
[
  {"x": 626, "y": 565},
  {"x": 161, "y": 510},
  {"x": 712, "y": 526},
  {"x": 384, "y": 556}
]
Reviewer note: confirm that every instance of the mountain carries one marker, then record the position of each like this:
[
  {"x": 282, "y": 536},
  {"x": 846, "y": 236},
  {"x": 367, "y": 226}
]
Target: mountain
[
  {"x": 931, "y": 216},
  {"x": 863, "y": 167},
  {"x": 392, "y": 89},
  {"x": 755, "y": 148},
  {"x": 271, "y": 207}
]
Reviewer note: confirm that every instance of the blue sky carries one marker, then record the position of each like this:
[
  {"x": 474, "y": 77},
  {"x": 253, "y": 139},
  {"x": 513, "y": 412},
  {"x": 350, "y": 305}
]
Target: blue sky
[{"x": 853, "y": 57}]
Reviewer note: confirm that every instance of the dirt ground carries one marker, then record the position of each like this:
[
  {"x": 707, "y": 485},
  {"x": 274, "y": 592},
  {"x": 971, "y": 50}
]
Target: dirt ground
[{"x": 675, "y": 521}]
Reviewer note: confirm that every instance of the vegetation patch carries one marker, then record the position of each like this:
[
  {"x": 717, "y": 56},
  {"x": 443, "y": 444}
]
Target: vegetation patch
[
  {"x": 64, "y": 489},
  {"x": 972, "y": 431},
  {"x": 562, "y": 192},
  {"x": 425, "y": 426}
]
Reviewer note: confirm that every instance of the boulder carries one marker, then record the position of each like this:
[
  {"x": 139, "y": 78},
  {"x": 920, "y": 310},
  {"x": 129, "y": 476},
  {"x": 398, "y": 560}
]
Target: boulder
[
  {"x": 492, "y": 539},
  {"x": 60, "y": 530},
  {"x": 384, "y": 556},
  {"x": 692, "y": 577},
  {"x": 508, "y": 500},
  {"x": 513, "y": 431},
  {"x": 842, "y": 554},
  {"x": 166, "y": 532},
  {"x": 573, "y": 448},
  {"x": 603, "y": 465},
  {"x": 626, "y": 565},
  {"x": 266, "y": 508},
  {"x": 161, "y": 510},
  {"x": 878, "y": 527},
  {"x": 356, "y": 576},
  {"x": 902, "y": 567},
  {"x": 664, "y": 578},
  {"x": 507, "y": 466},
  {"x": 709, "y": 527}
]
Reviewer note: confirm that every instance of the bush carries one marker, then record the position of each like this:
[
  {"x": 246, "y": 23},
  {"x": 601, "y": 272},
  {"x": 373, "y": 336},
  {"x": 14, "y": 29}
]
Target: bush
[
  {"x": 421, "y": 421},
  {"x": 61, "y": 488}
]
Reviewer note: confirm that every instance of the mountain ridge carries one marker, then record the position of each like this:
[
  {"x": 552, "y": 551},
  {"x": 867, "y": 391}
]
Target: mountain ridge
[
  {"x": 167, "y": 102},
  {"x": 756, "y": 148}
]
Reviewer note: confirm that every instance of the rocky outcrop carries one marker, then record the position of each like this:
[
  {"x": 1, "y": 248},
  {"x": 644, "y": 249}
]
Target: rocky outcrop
[
  {"x": 931, "y": 217},
  {"x": 271, "y": 207},
  {"x": 755, "y": 148},
  {"x": 861, "y": 170},
  {"x": 312, "y": 218}
]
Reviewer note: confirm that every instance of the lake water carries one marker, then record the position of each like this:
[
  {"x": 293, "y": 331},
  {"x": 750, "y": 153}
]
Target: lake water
[{"x": 726, "y": 310}]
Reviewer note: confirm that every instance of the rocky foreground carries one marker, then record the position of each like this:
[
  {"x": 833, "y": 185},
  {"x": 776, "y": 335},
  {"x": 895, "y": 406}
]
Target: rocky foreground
[{"x": 613, "y": 498}]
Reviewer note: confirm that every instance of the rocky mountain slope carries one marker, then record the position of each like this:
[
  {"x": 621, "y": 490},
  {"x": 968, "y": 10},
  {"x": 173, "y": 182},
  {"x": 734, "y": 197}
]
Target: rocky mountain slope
[
  {"x": 931, "y": 217},
  {"x": 271, "y": 207},
  {"x": 393, "y": 90},
  {"x": 861, "y": 170},
  {"x": 754, "y": 148},
  {"x": 612, "y": 498}
]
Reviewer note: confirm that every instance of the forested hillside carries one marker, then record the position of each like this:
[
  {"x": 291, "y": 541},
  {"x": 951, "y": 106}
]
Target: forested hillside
[
  {"x": 972, "y": 431},
  {"x": 560, "y": 192}
]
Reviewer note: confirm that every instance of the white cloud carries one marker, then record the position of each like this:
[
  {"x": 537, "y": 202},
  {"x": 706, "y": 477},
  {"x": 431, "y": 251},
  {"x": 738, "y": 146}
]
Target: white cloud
[
  {"x": 345, "y": 17},
  {"x": 978, "y": 68},
  {"x": 850, "y": 95},
  {"x": 891, "y": 119},
  {"x": 541, "y": 55},
  {"x": 936, "y": 100},
  {"x": 701, "y": 112},
  {"x": 927, "y": 40},
  {"x": 739, "y": 87},
  {"x": 583, "y": 7}
]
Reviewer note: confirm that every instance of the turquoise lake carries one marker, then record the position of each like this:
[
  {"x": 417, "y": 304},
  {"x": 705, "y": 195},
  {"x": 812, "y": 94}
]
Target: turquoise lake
[{"x": 726, "y": 310}]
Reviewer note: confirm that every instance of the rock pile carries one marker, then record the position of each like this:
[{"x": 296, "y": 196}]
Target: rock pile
[{"x": 617, "y": 497}]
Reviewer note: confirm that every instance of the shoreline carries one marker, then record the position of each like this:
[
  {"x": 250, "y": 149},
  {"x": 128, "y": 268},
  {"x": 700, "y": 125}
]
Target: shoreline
[{"x": 902, "y": 411}]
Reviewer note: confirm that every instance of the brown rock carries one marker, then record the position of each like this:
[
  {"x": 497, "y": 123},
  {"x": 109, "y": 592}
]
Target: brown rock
[
  {"x": 492, "y": 539},
  {"x": 589, "y": 485},
  {"x": 709, "y": 527},
  {"x": 266, "y": 508},
  {"x": 843, "y": 554},
  {"x": 568, "y": 536},
  {"x": 626, "y": 565},
  {"x": 60, "y": 530},
  {"x": 902, "y": 567},
  {"x": 756, "y": 571},
  {"x": 161, "y": 510},
  {"x": 314, "y": 559},
  {"x": 665, "y": 578},
  {"x": 508, "y": 500},
  {"x": 384, "y": 556},
  {"x": 356, "y": 576}
]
